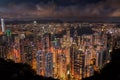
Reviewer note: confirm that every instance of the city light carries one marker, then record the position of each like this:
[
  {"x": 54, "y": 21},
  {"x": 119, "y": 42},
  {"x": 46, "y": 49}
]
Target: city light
[{"x": 67, "y": 51}]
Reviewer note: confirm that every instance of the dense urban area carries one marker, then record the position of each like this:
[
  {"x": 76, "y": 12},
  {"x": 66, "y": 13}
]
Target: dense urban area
[{"x": 61, "y": 50}]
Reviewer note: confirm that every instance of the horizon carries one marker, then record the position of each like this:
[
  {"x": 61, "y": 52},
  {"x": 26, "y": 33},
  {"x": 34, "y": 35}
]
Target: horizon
[{"x": 64, "y": 19}]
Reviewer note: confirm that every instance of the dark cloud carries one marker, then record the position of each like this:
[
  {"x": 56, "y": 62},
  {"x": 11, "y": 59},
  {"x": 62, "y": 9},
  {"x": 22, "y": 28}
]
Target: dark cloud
[
  {"x": 58, "y": 2},
  {"x": 59, "y": 8}
]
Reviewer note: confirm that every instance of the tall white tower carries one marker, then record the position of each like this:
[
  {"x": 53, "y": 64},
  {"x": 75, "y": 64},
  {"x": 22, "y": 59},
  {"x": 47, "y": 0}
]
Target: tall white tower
[{"x": 2, "y": 25}]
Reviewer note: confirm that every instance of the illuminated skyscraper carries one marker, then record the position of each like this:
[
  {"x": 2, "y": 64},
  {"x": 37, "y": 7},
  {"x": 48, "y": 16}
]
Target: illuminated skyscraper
[
  {"x": 2, "y": 25},
  {"x": 3, "y": 52},
  {"x": 28, "y": 54},
  {"x": 63, "y": 66},
  {"x": 40, "y": 62},
  {"x": 48, "y": 64}
]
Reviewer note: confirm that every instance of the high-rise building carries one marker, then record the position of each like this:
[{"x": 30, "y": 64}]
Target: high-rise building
[
  {"x": 99, "y": 58},
  {"x": 49, "y": 64},
  {"x": 3, "y": 52},
  {"x": 40, "y": 62},
  {"x": 28, "y": 54},
  {"x": 73, "y": 49},
  {"x": 63, "y": 66}
]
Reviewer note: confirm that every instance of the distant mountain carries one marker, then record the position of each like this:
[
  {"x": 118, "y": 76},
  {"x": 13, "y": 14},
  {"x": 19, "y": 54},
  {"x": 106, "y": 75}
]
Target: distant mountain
[{"x": 64, "y": 19}]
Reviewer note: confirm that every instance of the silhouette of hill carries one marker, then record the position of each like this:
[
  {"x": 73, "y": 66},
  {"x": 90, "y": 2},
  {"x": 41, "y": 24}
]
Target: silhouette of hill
[
  {"x": 63, "y": 19},
  {"x": 111, "y": 71},
  {"x": 9, "y": 70}
]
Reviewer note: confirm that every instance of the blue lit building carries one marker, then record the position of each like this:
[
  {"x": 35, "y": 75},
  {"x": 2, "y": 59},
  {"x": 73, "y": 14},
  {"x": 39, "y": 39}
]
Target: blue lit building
[
  {"x": 48, "y": 64},
  {"x": 40, "y": 62}
]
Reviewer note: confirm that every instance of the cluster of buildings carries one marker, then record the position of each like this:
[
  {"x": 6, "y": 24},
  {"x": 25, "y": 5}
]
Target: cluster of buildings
[{"x": 67, "y": 51}]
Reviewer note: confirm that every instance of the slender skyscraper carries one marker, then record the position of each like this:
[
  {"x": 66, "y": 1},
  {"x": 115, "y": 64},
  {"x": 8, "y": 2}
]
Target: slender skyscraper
[{"x": 2, "y": 25}]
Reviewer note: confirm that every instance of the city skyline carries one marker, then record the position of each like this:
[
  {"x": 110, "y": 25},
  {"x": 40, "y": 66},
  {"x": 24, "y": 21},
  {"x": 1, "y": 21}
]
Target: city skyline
[
  {"x": 60, "y": 39},
  {"x": 65, "y": 51}
]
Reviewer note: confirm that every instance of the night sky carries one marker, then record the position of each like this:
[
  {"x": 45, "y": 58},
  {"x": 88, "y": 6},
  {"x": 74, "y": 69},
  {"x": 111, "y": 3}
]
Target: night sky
[{"x": 59, "y": 8}]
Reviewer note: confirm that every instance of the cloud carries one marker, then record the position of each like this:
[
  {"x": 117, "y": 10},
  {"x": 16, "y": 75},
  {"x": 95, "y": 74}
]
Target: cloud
[
  {"x": 60, "y": 8},
  {"x": 116, "y": 13}
]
